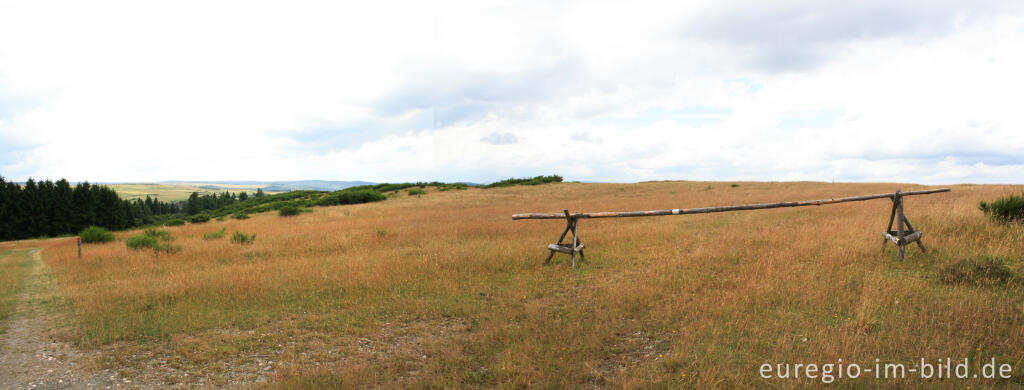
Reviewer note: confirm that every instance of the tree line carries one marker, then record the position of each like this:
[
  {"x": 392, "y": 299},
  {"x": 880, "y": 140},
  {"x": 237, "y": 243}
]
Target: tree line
[
  {"x": 47, "y": 208},
  {"x": 200, "y": 203}
]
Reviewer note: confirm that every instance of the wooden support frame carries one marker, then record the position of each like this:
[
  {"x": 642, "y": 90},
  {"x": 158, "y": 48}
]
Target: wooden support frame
[
  {"x": 901, "y": 237},
  {"x": 571, "y": 249}
]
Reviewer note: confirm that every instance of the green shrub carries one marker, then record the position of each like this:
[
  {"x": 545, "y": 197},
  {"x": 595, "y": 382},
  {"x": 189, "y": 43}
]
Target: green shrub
[
  {"x": 526, "y": 181},
  {"x": 984, "y": 270},
  {"x": 240, "y": 216},
  {"x": 214, "y": 235},
  {"x": 1006, "y": 209},
  {"x": 141, "y": 241},
  {"x": 417, "y": 192},
  {"x": 175, "y": 222},
  {"x": 96, "y": 234},
  {"x": 349, "y": 196},
  {"x": 161, "y": 234},
  {"x": 242, "y": 238},
  {"x": 153, "y": 239},
  {"x": 199, "y": 218},
  {"x": 167, "y": 248},
  {"x": 288, "y": 211}
]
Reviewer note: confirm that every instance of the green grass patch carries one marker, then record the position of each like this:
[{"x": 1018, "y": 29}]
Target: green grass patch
[
  {"x": 13, "y": 267},
  {"x": 214, "y": 235},
  {"x": 417, "y": 191},
  {"x": 199, "y": 218},
  {"x": 984, "y": 270}
]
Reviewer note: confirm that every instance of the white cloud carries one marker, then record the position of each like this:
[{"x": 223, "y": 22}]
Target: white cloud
[{"x": 127, "y": 91}]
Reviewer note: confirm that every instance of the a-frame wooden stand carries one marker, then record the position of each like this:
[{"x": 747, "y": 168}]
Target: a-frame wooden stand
[
  {"x": 901, "y": 237},
  {"x": 576, "y": 246}
]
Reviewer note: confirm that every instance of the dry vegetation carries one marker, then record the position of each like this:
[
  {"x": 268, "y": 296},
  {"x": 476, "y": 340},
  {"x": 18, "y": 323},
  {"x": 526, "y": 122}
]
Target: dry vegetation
[{"x": 445, "y": 290}]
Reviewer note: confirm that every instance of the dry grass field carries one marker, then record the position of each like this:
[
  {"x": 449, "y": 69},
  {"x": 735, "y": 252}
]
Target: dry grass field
[
  {"x": 446, "y": 291},
  {"x": 171, "y": 192}
]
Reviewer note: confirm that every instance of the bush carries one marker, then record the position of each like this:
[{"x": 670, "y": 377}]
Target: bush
[
  {"x": 161, "y": 234},
  {"x": 350, "y": 197},
  {"x": 1006, "y": 209},
  {"x": 240, "y": 216},
  {"x": 141, "y": 241},
  {"x": 154, "y": 239},
  {"x": 417, "y": 192},
  {"x": 199, "y": 218},
  {"x": 175, "y": 222},
  {"x": 96, "y": 234},
  {"x": 526, "y": 181},
  {"x": 288, "y": 211},
  {"x": 979, "y": 271},
  {"x": 214, "y": 235},
  {"x": 242, "y": 238}
]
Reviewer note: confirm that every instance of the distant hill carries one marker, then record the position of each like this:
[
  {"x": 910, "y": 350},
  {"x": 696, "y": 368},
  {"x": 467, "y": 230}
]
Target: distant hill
[
  {"x": 318, "y": 185},
  {"x": 274, "y": 186}
]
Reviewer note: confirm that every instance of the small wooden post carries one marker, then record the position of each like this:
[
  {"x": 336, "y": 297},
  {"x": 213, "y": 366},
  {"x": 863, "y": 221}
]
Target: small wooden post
[{"x": 79, "y": 247}]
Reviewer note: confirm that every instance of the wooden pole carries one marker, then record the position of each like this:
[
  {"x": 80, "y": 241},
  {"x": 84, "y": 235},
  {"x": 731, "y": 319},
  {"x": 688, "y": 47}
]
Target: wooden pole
[
  {"x": 718, "y": 209},
  {"x": 899, "y": 224}
]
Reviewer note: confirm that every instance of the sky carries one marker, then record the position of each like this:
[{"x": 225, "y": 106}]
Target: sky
[{"x": 923, "y": 92}]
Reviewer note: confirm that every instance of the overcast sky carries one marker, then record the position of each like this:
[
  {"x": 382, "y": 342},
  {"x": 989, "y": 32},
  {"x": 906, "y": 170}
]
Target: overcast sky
[{"x": 924, "y": 92}]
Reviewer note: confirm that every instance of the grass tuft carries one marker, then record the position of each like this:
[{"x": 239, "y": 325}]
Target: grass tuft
[
  {"x": 242, "y": 238},
  {"x": 154, "y": 239},
  {"x": 985, "y": 270},
  {"x": 214, "y": 235}
]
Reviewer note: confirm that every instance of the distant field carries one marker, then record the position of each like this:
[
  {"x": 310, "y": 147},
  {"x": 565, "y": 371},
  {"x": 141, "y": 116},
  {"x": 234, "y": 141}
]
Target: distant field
[
  {"x": 170, "y": 192},
  {"x": 444, "y": 290}
]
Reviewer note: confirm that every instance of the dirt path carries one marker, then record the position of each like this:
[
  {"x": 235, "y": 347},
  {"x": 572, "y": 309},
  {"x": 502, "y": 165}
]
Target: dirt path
[{"x": 30, "y": 358}]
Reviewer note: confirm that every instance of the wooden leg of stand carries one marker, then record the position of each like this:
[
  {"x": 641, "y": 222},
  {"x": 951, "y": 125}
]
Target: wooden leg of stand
[
  {"x": 560, "y": 238},
  {"x": 899, "y": 225},
  {"x": 575, "y": 241}
]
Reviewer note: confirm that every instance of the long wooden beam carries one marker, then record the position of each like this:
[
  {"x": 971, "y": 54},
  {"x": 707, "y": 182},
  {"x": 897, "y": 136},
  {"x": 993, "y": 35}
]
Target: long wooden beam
[{"x": 718, "y": 209}]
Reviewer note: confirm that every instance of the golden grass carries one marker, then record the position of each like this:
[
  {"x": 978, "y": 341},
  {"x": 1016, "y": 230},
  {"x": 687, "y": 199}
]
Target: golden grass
[{"x": 446, "y": 290}]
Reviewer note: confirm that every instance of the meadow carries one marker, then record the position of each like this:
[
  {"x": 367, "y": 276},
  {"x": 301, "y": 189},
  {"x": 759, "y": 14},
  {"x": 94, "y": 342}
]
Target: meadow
[
  {"x": 177, "y": 191},
  {"x": 444, "y": 290}
]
